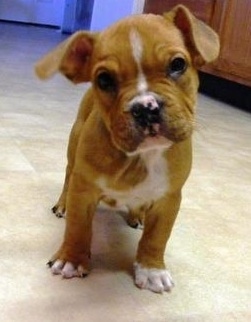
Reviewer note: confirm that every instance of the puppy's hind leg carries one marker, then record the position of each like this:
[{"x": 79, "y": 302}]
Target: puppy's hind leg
[
  {"x": 136, "y": 216},
  {"x": 60, "y": 207}
]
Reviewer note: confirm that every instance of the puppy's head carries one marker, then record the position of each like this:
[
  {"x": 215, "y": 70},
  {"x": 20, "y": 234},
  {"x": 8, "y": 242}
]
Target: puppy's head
[{"x": 143, "y": 73}]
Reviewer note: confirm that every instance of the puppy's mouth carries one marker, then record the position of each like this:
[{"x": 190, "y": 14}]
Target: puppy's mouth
[
  {"x": 147, "y": 112},
  {"x": 146, "y": 125},
  {"x": 153, "y": 142},
  {"x": 134, "y": 139},
  {"x": 153, "y": 139}
]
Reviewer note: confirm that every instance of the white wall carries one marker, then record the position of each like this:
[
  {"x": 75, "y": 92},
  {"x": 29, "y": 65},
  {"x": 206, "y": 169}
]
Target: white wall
[
  {"x": 105, "y": 12},
  {"x": 138, "y": 6},
  {"x": 48, "y": 12},
  {"x": 66, "y": 13}
]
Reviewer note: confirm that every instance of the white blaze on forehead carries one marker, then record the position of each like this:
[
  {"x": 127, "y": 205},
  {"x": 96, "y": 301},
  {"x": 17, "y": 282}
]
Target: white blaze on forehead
[
  {"x": 137, "y": 51},
  {"x": 137, "y": 46}
]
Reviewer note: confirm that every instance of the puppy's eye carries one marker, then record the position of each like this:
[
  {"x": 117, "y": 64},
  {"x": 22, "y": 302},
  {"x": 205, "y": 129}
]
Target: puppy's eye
[
  {"x": 177, "y": 67},
  {"x": 106, "y": 82}
]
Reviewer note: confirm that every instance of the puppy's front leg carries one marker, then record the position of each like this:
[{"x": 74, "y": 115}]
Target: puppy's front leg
[
  {"x": 72, "y": 259},
  {"x": 150, "y": 271}
]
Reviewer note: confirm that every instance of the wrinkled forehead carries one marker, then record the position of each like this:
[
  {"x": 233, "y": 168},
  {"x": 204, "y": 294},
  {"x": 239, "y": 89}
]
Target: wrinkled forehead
[{"x": 137, "y": 37}]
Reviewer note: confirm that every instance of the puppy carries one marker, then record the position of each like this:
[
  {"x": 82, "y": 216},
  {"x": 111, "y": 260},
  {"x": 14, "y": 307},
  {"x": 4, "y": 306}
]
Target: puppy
[{"x": 131, "y": 142}]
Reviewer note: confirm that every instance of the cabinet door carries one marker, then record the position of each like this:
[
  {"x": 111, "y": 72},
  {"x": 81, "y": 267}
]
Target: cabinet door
[{"x": 232, "y": 20}]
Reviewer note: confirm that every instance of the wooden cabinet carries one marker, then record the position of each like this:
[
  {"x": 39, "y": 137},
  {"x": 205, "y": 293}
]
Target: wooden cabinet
[{"x": 231, "y": 19}]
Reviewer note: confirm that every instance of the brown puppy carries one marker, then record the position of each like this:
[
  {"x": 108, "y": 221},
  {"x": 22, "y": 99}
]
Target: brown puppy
[{"x": 131, "y": 142}]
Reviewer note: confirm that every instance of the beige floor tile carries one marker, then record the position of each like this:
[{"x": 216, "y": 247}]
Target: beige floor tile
[{"x": 11, "y": 158}]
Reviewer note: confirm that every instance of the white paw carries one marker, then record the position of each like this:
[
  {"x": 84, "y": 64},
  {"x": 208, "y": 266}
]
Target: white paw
[
  {"x": 67, "y": 269},
  {"x": 153, "y": 279}
]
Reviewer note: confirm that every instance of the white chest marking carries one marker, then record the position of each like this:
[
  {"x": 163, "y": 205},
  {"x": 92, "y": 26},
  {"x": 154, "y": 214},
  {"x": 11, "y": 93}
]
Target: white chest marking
[
  {"x": 155, "y": 185},
  {"x": 137, "y": 51}
]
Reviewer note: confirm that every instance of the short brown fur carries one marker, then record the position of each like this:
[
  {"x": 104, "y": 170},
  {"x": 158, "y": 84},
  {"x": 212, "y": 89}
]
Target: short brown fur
[{"x": 105, "y": 140}]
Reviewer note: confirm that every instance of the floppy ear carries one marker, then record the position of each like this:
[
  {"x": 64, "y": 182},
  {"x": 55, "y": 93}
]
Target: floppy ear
[
  {"x": 202, "y": 41},
  {"x": 72, "y": 58}
]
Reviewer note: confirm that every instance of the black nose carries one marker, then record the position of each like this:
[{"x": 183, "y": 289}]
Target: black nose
[{"x": 146, "y": 115}]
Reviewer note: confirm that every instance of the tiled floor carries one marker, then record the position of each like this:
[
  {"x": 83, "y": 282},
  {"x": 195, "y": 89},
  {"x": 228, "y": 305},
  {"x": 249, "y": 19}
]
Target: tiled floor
[{"x": 209, "y": 252}]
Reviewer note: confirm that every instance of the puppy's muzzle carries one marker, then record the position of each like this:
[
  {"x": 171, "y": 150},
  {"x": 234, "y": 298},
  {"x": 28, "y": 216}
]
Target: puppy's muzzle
[{"x": 146, "y": 111}]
